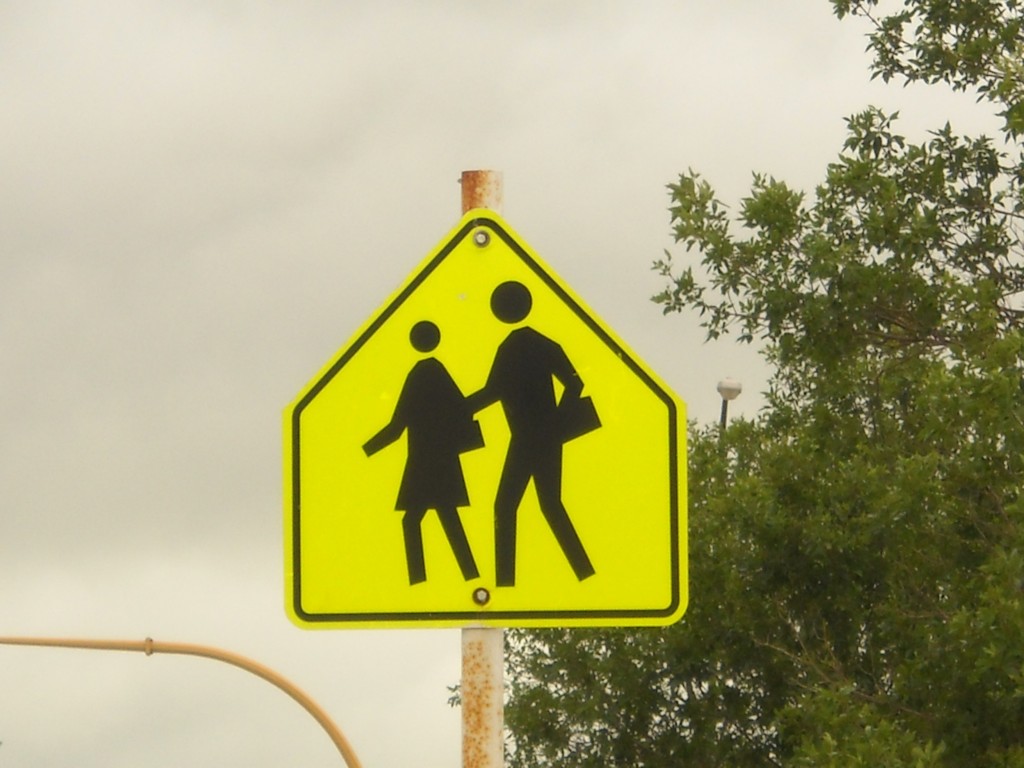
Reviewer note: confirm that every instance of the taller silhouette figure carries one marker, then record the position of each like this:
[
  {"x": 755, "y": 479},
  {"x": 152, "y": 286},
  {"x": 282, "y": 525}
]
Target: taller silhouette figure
[
  {"x": 440, "y": 426},
  {"x": 522, "y": 377}
]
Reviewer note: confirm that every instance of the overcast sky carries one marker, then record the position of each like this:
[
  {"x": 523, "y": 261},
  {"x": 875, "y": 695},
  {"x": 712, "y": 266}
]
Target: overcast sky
[{"x": 200, "y": 201}]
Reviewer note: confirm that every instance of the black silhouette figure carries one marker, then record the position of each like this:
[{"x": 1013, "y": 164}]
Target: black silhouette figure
[
  {"x": 440, "y": 426},
  {"x": 522, "y": 379}
]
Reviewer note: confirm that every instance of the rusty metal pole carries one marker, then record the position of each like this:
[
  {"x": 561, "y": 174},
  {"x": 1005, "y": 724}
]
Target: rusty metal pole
[
  {"x": 483, "y": 648},
  {"x": 481, "y": 189}
]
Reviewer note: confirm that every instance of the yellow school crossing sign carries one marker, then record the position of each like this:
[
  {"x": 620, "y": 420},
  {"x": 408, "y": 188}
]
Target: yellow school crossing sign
[{"x": 485, "y": 451}]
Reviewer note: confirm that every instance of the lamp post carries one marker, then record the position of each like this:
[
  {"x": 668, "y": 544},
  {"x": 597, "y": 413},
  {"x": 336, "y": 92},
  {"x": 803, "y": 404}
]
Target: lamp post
[
  {"x": 729, "y": 389},
  {"x": 149, "y": 646}
]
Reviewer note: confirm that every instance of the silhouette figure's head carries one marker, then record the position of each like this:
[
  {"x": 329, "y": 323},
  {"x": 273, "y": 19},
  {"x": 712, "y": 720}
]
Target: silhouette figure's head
[
  {"x": 425, "y": 336},
  {"x": 511, "y": 302}
]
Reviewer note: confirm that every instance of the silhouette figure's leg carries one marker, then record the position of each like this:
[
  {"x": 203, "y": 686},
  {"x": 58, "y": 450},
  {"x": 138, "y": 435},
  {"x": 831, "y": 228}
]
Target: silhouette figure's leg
[
  {"x": 548, "y": 481},
  {"x": 459, "y": 543},
  {"x": 414, "y": 545},
  {"x": 514, "y": 477}
]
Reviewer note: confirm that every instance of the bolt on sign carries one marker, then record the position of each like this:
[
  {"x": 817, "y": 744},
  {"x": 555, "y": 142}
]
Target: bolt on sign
[{"x": 485, "y": 452}]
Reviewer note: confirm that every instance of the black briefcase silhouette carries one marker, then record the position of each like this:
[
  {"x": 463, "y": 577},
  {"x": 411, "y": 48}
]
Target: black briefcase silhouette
[
  {"x": 468, "y": 436},
  {"x": 576, "y": 416}
]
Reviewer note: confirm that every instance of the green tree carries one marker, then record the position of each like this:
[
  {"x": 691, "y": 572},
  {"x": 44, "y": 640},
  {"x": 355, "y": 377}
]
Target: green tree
[{"x": 857, "y": 551}]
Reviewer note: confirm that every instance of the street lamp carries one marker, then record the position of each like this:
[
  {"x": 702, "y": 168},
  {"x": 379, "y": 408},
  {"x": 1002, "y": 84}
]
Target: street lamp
[
  {"x": 729, "y": 389},
  {"x": 149, "y": 646}
]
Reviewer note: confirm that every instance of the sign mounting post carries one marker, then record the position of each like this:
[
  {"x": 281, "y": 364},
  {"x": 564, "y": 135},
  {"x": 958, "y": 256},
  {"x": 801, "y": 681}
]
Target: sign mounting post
[{"x": 483, "y": 648}]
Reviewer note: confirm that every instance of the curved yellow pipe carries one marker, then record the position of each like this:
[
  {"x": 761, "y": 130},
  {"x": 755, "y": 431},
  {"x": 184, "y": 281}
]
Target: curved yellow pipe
[{"x": 150, "y": 646}]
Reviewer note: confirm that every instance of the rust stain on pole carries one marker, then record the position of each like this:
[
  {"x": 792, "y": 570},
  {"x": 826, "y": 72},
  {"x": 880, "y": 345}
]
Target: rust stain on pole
[
  {"x": 481, "y": 189},
  {"x": 482, "y": 698}
]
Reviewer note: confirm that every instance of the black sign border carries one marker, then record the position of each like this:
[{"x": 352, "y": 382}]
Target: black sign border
[{"x": 602, "y": 617}]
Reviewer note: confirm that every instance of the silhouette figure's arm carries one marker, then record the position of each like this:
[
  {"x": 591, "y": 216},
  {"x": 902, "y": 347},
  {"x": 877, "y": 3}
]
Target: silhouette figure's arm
[
  {"x": 491, "y": 390},
  {"x": 567, "y": 376},
  {"x": 482, "y": 398},
  {"x": 405, "y": 410},
  {"x": 391, "y": 432},
  {"x": 496, "y": 387},
  {"x": 394, "y": 428}
]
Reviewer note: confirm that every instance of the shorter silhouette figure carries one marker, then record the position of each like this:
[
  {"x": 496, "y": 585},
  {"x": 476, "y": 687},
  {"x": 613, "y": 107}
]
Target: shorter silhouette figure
[{"x": 440, "y": 427}]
